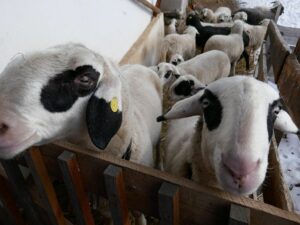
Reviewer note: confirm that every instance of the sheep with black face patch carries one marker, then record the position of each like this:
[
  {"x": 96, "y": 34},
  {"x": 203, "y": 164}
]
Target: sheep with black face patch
[
  {"x": 223, "y": 134},
  {"x": 71, "y": 93}
]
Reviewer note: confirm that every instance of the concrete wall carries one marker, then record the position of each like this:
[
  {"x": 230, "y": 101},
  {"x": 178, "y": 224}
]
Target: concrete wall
[{"x": 109, "y": 27}]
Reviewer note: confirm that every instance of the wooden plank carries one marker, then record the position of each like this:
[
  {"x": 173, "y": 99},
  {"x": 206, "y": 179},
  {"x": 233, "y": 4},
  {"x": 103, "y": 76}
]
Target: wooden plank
[
  {"x": 18, "y": 185},
  {"x": 9, "y": 203},
  {"x": 198, "y": 204},
  {"x": 72, "y": 178},
  {"x": 44, "y": 185},
  {"x": 297, "y": 50},
  {"x": 168, "y": 204},
  {"x": 239, "y": 215},
  {"x": 115, "y": 189},
  {"x": 289, "y": 87},
  {"x": 154, "y": 9},
  {"x": 279, "y": 49},
  {"x": 146, "y": 50},
  {"x": 262, "y": 64},
  {"x": 275, "y": 191}
]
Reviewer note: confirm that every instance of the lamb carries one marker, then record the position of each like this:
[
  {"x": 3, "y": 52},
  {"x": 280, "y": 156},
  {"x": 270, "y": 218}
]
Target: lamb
[
  {"x": 221, "y": 135},
  {"x": 171, "y": 28},
  {"x": 68, "y": 92},
  {"x": 206, "y": 67},
  {"x": 256, "y": 33},
  {"x": 222, "y": 14},
  {"x": 206, "y": 32},
  {"x": 257, "y": 14},
  {"x": 231, "y": 44},
  {"x": 183, "y": 44},
  {"x": 240, "y": 16},
  {"x": 176, "y": 59}
]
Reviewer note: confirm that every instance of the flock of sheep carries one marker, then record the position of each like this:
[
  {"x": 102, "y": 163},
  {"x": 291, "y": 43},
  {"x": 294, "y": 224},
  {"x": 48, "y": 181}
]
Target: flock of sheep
[{"x": 220, "y": 125}]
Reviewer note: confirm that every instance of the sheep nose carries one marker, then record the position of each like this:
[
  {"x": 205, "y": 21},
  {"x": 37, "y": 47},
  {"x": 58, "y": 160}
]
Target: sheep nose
[
  {"x": 3, "y": 128},
  {"x": 239, "y": 167}
]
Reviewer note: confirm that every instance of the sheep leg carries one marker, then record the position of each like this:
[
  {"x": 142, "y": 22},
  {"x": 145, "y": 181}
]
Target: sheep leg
[
  {"x": 232, "y": 69},
  {"x": 246, "y": 57}
]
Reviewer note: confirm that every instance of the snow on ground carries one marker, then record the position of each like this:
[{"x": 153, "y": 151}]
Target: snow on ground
[{"x": 291, "y": 15}]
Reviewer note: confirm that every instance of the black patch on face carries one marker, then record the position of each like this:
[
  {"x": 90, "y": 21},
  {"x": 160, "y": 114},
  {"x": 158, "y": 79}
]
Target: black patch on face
[
  {"x": 102, "y": 122},
  {"x": 213, "y": 111},
  {"x": 272, "y": 117},
  {"x": 184, "y": 88},
  {"x": 168, "y": 74},
  {"x": 62, "y": 91}
]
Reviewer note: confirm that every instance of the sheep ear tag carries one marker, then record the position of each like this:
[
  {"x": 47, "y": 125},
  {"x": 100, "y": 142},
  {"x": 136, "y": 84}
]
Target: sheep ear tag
[{"x": 104, "y": 110}]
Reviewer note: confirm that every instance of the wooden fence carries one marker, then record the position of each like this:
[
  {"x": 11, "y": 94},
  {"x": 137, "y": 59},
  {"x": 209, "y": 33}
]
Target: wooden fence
[{"x": 129, "y": 186}]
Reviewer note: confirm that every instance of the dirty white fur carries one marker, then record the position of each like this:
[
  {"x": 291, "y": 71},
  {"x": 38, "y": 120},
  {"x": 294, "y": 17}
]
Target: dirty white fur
[
  {"x": 240, "y": 16},
  {"x": 256, "y": 33},
  {"x": 176, "y": 59},
  {"x": 221, "y": 14},
  {"x": 231, "y": 44},
  {"x": 240, "y": 139},
  {"x": 183, "y": 44}
]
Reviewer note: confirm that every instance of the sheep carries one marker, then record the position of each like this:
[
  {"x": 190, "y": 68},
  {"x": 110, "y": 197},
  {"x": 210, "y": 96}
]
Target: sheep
[
  {"x": 171, "y": 28},
  {"x": 176, "y": 59},
  {"x": 257, "y": 14},
  {"x": 206, "y": 67},
  {"x": 231, "y": 44},
  {"x": 206, "y": 32},
  {"x": 183, "y": 44},
  {"x": 68, "y": 92},
  {"x": 256, "y": 33},
  {"x": 240, "y": 16},
  {"x": 222, "y": 14},
  {"x": 221, "y": 135}
]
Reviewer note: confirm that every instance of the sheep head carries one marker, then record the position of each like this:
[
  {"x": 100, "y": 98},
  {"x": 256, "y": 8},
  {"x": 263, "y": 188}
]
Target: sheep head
[
  {"x": 239, "y": 115},
  {"x": 54, "y": 94}
]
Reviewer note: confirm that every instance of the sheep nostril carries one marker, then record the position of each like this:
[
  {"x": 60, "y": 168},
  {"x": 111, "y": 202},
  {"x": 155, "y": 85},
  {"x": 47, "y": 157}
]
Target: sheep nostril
[{"x": 3, "y": 128}]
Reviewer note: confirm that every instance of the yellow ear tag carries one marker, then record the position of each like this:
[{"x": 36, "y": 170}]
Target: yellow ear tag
[{"x": 114, "y": 104}]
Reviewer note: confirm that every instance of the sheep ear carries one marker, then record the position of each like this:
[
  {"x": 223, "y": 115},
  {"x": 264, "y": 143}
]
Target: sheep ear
[
  {"x": 284, "y": 123},
  {"x": 104, "y": 109},
  {"x": 185, "y": 108}
]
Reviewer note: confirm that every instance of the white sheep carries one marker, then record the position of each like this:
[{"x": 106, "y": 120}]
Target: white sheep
[
  {"x": 221, "y": 135},
  {"x": 256, "y": 34},
  {"x": 206, "y": 67},
  {"x": 183, "y": 44},
  {"x": 231, "y": 44},
  {"x": 171, "y": 27},
  {"x": 221, "y": 14},
  {"x": 176, "y": 59},
  {"x": 240, "y": 16},
  {"x": 71, "y": 93}
]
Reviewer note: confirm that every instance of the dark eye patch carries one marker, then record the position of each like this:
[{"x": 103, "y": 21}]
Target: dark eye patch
[
  {"x": 184, "y": 88},
  {"x": 168, "y": 74},
  {"x": 271, "y": 117},
  {"x": 213, "y": 112},
  {"x": 62, "y": 91}
]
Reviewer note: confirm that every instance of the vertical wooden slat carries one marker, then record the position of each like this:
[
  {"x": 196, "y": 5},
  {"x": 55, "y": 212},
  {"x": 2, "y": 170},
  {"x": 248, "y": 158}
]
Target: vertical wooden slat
[
  {"x": 115, "y": 189},
  {"x": 239, "y": 215},
  {"x": 17, "y": 183},
  {"x": 72, "y": 178},
  {"x": 9, "y": 203},
  {"x": 39, "y": 172},
  {"x": 168, "y": 201},
  {"x": 261, "y": 70},
  {"x": 297, "y": 50}
]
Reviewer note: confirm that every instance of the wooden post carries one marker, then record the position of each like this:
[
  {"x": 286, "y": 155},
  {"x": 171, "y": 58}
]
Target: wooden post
[
  {"x": 10, "y": 208},
  {"x": 115, "y": 189},
  {"x": 154, "y": 9},
  {"x": 297, "y": 50},
  {"x": 17, "y": 183},
  {"x": 39, "y": 172},
  {"x": 262, "y": 64},
  {"x": 72, "y": 178},
  {"x": 168, "y": 201},
  {"x": 239, "y": 215}
]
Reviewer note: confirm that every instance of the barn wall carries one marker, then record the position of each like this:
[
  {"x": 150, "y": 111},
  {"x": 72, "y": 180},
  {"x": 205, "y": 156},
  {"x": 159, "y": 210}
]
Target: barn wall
[{"x": 109, "y": 27}]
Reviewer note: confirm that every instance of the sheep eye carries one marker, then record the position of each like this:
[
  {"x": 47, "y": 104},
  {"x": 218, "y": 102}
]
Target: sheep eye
[
  {"x": 168, "y": 74},
  {"x": 205, "y": 103},
  {"x": 157, "y": 68},
  {"x": 179, "y": 60},
  {"x": 177, "y": 76}
]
